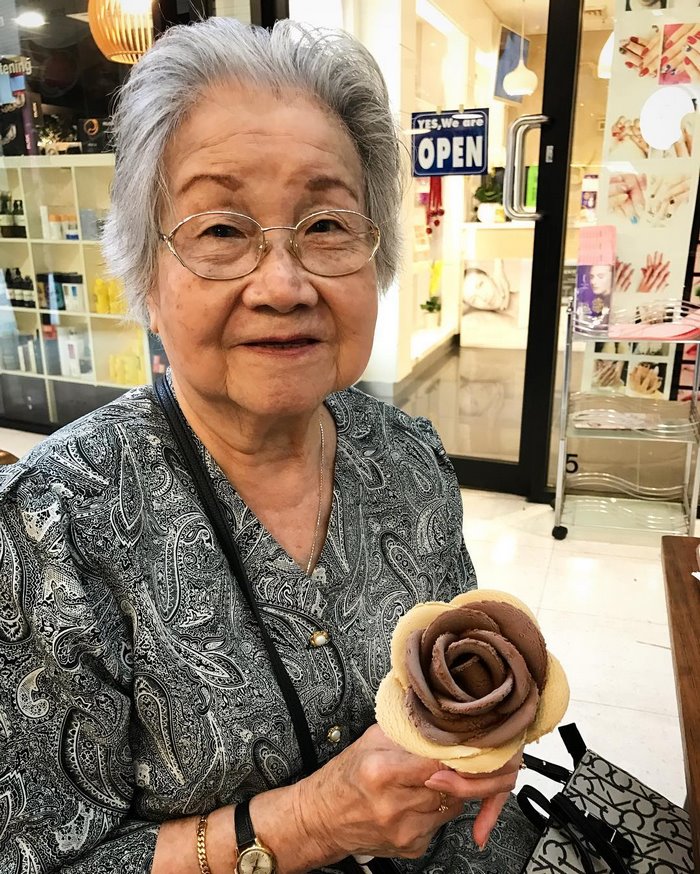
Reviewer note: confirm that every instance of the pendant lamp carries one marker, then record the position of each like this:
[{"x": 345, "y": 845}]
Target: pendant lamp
[
  {"x": 521, "y": 82},
  {"x": 122, "y": 29}
]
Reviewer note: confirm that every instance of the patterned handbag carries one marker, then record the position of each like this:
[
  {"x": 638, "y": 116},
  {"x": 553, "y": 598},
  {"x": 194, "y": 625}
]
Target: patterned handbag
[{"x": 603, "y": 820}]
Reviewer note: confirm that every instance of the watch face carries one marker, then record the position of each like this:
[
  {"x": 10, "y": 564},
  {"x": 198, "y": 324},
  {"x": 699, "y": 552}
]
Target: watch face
[{"x": 255, "y": 861}]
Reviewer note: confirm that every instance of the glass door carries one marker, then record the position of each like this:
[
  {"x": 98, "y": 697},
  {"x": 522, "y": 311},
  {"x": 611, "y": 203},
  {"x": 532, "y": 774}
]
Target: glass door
[{"x": 491, "y": 397}]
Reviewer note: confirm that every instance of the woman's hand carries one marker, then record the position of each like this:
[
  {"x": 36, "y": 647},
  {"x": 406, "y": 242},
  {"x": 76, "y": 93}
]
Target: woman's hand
[{"x": 376, "y": 799}]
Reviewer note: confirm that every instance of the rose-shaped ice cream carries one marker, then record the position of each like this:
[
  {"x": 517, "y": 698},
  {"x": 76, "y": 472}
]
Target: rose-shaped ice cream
[{"x": 471, "y": 682}]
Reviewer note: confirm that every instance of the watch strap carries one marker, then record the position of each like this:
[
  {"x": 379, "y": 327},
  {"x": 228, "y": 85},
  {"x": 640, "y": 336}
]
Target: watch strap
[{"x": 245, "y": 833}]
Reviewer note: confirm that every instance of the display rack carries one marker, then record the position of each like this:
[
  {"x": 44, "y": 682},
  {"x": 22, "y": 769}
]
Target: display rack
[
  {"x": 601, "y": 499},
  {"x": 65, "y": 346}
]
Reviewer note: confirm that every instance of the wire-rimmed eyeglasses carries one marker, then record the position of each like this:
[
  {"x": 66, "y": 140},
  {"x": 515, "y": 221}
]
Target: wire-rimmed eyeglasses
[{"x": 217, "y": 244}]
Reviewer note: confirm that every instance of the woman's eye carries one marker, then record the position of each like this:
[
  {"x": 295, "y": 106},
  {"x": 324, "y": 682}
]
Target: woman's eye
[
  {"x": 325, "y": 226},
  {"x": 223, "y": 232}
]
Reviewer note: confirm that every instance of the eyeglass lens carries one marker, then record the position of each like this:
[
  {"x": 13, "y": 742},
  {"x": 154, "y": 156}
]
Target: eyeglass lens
[{"x": 226, "y": 245}]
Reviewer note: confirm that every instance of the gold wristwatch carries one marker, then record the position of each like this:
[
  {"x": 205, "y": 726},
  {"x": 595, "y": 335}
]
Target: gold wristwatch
[{"x": 253, "y": 857}]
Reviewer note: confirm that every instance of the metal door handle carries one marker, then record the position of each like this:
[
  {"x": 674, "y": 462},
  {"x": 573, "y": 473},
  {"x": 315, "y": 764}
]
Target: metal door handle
[{"x": 514, "y": 178}]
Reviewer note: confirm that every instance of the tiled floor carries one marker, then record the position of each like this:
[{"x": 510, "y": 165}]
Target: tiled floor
[
  {"x": 601, "y": 607},
  {"x": 602, "y": 610}
]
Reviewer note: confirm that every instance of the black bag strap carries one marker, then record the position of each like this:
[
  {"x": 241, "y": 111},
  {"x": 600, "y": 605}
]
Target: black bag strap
[
  {"x": 566, "y": 816},
  {"x": 528, "y": 797},
  {"x": 195, "y": 466},
  {"x": 548, "y": 769},
  {"x": 573, "y": 742},
  {"x": 197, "y": 470},
  {"x": 576, "y": 747}
]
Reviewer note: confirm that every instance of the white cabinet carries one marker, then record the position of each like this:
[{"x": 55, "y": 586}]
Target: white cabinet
[{"x": 65, "y": 347}]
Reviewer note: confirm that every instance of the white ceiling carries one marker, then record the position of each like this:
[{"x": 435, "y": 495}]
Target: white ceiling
[{"x": 598, "y": 14}]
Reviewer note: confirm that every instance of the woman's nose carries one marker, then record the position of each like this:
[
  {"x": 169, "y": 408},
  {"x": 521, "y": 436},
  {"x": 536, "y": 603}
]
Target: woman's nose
[{"x": 279, "y": 281}]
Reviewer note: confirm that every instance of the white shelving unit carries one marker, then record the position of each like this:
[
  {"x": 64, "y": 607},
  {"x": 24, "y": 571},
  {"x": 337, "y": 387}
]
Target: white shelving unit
[
  {"x": 66, "y": 184},
  {"x": 601, "y": 499}
]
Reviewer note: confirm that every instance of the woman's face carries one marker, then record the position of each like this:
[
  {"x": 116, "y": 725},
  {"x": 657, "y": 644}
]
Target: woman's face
[
  {"x": 601, "y": 280},
  {"x": 276, "y": 159}
]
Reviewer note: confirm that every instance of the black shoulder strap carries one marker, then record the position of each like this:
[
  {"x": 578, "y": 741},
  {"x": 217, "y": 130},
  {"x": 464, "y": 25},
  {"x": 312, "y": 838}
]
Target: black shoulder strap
[
  {"x": 555, "y": 772},
  {"x": 198, "y": 472},
  {"x": 573, "y": 742}
]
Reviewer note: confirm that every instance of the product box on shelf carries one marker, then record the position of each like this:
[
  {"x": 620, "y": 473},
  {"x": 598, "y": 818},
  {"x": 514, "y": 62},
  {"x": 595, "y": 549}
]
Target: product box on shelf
[
  {"x": 95, "y": 135},
  {"x": 73, "y": 352},
  {"x": 50, "y": 339}
]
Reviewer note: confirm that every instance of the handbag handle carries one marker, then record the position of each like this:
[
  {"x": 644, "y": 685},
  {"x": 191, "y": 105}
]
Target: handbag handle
[
  {"x": 195, "y": 467},
  {"x": 607, "y": 842}
]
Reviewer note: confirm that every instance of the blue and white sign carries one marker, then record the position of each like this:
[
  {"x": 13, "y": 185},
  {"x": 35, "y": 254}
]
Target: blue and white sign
[{"x": 452, "y": 143}]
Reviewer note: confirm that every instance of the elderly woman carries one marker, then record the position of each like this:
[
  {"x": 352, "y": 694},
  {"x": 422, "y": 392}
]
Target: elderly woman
[{"x": 142, "y": 719}]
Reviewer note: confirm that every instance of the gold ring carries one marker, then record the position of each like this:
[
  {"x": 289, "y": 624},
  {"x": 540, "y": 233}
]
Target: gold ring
[{"x": 443, "y": 803}]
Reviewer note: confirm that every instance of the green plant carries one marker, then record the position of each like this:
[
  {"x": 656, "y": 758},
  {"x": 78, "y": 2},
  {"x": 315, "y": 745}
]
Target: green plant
[
  {"x": 490, "y": 190},
  {"x": 432, "y": 304}
]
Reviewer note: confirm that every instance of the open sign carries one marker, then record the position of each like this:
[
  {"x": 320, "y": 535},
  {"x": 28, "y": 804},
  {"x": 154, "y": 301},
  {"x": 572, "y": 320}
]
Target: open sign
[{"x": 454, "y": 143}]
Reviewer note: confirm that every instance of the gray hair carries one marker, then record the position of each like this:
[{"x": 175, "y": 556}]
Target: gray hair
[{"x": 329, "y": 65}]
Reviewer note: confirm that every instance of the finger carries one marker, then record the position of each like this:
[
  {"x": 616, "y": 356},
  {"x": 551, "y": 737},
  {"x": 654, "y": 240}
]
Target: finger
[
  {"x": 651, "y": 62},
  {"x": 487, "y": 817},
  {"x": 430, "y": 801},
  {"x": 679, "y": 36},
  {"x": 681, "y": 148},
  {"x": 637, "y": 194},
  {"x": 692, "y": 63},
  {"x": 633, "y": 60},
  {"x": 469, "y": 788},
  {"x": 673, "y": 58},
  {"x": 679, "y": 189},
  {"x": 653, "y": 43}
]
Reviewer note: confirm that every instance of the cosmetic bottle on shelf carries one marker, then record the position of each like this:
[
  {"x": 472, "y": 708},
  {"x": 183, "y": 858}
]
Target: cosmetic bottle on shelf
[
  {"x": 19, "y": 219},
  {"x": 28, "y": 287},
  {"x": 6, "y": 223},
  {"x": 42, "y": 281}
]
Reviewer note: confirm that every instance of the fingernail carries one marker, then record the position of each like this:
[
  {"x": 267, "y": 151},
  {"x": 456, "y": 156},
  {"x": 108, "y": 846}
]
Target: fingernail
[
  {"x": 664, "y": 60},
  {"x": 692, "y": 40},
  {"x": 634, "y": 39},
  {"x": 686, "y": 60},
  {"x": 629, "y": 64},
  {"x": 645, "y": 71}
]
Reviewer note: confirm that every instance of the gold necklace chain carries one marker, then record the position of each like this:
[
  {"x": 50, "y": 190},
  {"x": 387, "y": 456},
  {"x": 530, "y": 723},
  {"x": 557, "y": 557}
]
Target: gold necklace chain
[{"x": 320, "y": 499}]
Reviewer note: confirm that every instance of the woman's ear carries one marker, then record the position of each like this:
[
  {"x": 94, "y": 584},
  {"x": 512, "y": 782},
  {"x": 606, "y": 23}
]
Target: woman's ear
[{"x": 153, "y": 309}]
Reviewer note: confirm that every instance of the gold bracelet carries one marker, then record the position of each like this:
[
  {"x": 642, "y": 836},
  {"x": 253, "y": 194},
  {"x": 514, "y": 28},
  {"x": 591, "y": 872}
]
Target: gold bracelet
[{"x": 202, "y": 844}]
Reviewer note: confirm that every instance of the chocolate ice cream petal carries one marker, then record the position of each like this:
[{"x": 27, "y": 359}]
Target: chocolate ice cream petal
[
  {"x": 416, "y": 677},
  {"x": 474, "y": 678},
  {"x": 494, "y": 700},
  {"x": 457, "y": 621},
  {"x": 516, "y": 663},
  {"x": 517, "y": 627},
  {"x": 439, "y": 674},
  {"x": 513, "y": 726},
  {"x": 488, "y": 655},
  {"x": 445, "y": 731}
]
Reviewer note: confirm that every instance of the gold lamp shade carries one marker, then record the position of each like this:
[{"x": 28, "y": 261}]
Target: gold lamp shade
[{"x": 122, "y": 29}]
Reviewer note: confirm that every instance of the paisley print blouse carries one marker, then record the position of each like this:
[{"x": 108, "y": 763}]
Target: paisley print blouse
[{"x": 134, "y": 687}]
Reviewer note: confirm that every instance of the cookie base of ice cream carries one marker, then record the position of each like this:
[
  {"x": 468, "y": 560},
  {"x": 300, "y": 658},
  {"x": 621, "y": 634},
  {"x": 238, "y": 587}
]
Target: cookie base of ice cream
[{"x": 423, "y": 715}]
